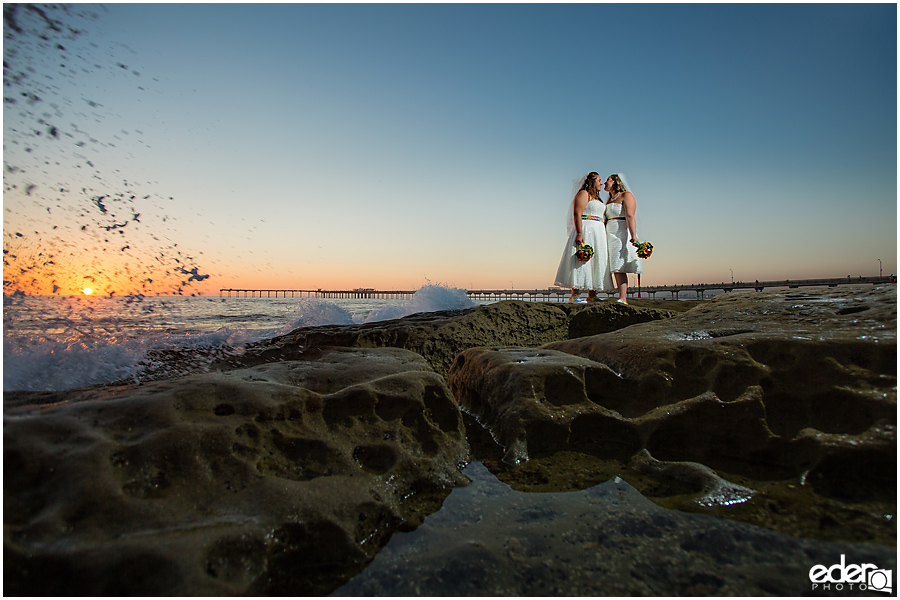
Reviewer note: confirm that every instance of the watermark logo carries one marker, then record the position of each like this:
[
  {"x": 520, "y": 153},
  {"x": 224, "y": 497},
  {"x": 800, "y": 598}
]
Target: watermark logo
[{"x": 851, "y": 577}]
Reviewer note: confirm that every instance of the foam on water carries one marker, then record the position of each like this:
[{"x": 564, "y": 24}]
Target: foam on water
[
  {"x": 314, "y": 312},
  {"x": 429, "y": 298},
  {"x": 44, "y": 363},
  {"x": 65, "y": 343},
  {"x": 54, "y": 365}
]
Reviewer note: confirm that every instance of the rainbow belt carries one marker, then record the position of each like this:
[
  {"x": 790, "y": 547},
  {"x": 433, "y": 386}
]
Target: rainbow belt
[
  {"x": 591, "y": 218},
  {"x": 616, "y": 219}
]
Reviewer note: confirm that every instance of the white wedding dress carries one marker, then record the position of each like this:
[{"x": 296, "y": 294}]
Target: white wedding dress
[
  {"x": 623, "y": 256},
  {"x": 593, "y": 274}
]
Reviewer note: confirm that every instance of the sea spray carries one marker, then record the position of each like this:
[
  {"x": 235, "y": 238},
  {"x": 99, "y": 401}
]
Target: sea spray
[
  {"x": 43, "y": 364},
  {"x": 58, "y": 343},
  {"x": 40, "y": 363},
  {"x": 314, "y": 312},
  {"x": 429, "y": 298},
  {"x": 79, "y": 213}
]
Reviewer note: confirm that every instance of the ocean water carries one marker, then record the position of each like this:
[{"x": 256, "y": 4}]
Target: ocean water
[{"x": 59, "y": 343}]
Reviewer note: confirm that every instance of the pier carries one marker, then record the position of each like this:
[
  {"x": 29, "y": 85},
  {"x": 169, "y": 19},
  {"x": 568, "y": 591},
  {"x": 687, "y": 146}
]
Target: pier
[
  {"x": 320, "y": 293},
  {"x": 697, "y": 291},
  {"x": 701, "y": 288}
]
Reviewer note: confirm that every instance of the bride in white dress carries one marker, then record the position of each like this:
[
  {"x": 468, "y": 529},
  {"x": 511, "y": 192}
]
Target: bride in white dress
[
  {"x": 621, "y": 225},
  {"x": 586, "y": 226}
]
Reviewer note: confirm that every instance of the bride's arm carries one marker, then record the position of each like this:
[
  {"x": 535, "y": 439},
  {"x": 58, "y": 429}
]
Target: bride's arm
[
  {"x": 630, "y": 205},
  {"x": 581, "y": 200}
]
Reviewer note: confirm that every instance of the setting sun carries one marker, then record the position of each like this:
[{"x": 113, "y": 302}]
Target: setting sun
[{"x": 88, "y": 291}]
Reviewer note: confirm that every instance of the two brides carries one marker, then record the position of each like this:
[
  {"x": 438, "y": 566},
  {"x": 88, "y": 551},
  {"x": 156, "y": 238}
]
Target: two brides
[{"x": 610, "y": 229}]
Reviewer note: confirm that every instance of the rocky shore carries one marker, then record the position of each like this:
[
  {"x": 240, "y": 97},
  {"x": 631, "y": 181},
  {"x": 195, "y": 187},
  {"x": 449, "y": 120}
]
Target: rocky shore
[{"x": 285, "y": 469}]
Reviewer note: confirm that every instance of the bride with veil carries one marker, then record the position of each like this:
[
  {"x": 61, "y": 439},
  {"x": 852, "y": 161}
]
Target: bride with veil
[
  {"x": 586, "y": 228},
  {"x": 621, "y": 233}
]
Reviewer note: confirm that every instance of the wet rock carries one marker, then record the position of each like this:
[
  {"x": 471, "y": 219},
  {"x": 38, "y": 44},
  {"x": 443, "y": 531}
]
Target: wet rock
[
  {"x": 538, "y": 401},
  {"x": 709, "y": 430},
  {"x": 603, "y": 317},
  {"x": 851, "y": 467},
  {"x": 280, "y": 479},
  {"x": 440, "y": 336},
  {"x": 692, "y": 478},
  {"x": 773, "y": 385},
  {"x": 786, "y": 342}
]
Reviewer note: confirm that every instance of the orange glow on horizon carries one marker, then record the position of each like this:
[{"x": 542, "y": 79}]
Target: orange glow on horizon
[{"x": 28, "y": 273}]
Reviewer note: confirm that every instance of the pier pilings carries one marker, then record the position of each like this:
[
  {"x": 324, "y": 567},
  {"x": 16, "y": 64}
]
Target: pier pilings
[{"x": 558, "y": 294}]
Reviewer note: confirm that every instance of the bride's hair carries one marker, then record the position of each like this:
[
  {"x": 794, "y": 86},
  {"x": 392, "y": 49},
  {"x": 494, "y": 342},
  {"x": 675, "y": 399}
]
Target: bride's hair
[
  {"x": 618, "y": 188},
  {"x": 589, "y": 186}
]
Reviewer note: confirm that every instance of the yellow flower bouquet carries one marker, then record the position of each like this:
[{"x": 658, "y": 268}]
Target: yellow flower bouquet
[
  {"x": 584, "y": 253},
  {"x": 644, "y": 249}
]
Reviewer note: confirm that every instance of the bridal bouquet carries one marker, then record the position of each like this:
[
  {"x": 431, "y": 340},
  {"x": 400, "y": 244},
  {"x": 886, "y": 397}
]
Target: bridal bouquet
[
  {"x": 584, "y": 253},
  {"x": 644, "y": 249}
]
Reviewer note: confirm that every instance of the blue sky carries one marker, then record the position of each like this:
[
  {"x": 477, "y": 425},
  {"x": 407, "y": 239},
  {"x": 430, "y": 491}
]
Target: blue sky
[{"x": 385, "y": 146}]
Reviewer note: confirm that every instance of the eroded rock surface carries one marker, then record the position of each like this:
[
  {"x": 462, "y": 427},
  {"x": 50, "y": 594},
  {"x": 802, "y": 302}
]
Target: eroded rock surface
[
  {"x": 440, "y": 336},
  {"x": 280, "y": 479},
  {"x": 537, "y": 401},
  {"x": 606, "y": 316},
  {"x": 771, "y": 385}
]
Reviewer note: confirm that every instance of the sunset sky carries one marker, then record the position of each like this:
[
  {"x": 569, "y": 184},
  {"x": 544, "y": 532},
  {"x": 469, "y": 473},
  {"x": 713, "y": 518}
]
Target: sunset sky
[{"x": 338, "y": 146}]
